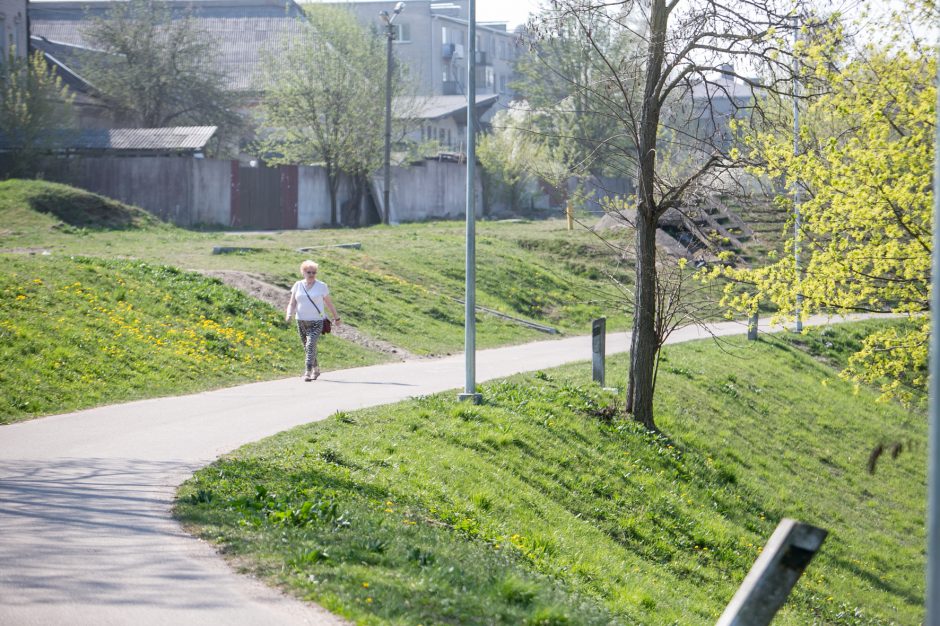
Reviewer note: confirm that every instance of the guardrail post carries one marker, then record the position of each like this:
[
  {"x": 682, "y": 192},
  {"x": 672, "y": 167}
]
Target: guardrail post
[
  {"x": 598, "y": 348},
  {"x": 752, "y": 327},
  {"x": 767, "y": 586}
]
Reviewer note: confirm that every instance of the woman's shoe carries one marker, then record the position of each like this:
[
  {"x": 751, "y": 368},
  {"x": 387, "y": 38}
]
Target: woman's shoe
[
  {"x": 316, "y": 373},
  {"x": 307, "y": 376}
]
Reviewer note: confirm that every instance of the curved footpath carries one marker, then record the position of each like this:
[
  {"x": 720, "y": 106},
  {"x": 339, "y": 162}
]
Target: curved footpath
[{"x": 86, "y": 533}]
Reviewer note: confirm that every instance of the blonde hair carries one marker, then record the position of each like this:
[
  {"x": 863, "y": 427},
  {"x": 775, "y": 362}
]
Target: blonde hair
[{"x": 308, "y": 264}]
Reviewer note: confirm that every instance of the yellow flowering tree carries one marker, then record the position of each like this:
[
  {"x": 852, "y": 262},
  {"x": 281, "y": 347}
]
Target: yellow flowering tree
[{"x": 863, "y": 174}]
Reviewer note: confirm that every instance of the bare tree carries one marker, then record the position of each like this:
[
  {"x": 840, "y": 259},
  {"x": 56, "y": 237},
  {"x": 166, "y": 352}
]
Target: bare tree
[
  {"x": 701, "y": 63},
  {"x": 153, "y": 67}
]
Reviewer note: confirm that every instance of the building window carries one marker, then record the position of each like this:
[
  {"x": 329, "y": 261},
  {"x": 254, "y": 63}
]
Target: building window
[{"x": 401, "y": 33}]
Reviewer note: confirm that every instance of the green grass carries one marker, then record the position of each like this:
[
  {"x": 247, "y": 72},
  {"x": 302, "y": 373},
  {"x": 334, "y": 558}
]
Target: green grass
[
  {"x": 403, "y": 278},
  {"x": 76, "y": 332},
  {"x": 541, "y": 506}
]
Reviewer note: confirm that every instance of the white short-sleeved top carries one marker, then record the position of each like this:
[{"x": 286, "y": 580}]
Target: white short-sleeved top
[{"x": 305, "y": 310}]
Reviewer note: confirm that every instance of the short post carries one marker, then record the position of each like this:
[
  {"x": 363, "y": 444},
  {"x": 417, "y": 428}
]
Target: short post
[
  {"x": 598, "y": 348},
  {"x": 569, "y": 215},
  {"x": 752, "y": 327},
  {"x": 767, "y": 586}
]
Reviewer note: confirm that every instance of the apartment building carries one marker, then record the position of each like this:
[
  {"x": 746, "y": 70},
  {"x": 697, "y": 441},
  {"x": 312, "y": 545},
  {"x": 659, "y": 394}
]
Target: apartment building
[{"x": 430, "y": 38}]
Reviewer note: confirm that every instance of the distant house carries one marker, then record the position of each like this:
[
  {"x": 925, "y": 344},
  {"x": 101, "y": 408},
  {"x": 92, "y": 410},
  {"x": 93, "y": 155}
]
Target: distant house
[
  {"x": 13, "y": 30},
  {"x": 443, "y": 119},
  {"x": 245, "y": 31}
]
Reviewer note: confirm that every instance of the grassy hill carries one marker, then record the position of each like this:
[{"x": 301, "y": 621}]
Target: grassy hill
[
  {"x": 542, "y": 507},
  {"x": 77, "y": 332},
  {"x": 402, "y": 285}
]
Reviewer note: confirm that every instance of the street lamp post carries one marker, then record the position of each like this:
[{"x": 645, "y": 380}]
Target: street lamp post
[
  {"x": 389, "y": 36},
  {"x": 470, "y": 393}
]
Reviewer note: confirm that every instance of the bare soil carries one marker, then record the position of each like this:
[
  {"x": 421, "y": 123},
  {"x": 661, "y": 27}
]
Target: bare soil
[{"x": 256, "y": 286}]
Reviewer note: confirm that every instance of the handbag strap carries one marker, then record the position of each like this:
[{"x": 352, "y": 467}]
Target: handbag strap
[{"x": 311, "y": 299}]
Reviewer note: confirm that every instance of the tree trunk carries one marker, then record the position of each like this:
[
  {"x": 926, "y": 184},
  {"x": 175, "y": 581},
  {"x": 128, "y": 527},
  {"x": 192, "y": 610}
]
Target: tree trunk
[
  {"x": 333, "y": 184},
  {"x": 645, "y": 344},
  {"x": 643, "y": 356}
]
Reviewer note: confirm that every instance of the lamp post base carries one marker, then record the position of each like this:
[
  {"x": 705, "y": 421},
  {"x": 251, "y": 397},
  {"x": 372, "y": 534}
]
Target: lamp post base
[{"x": 472, "y": 398}]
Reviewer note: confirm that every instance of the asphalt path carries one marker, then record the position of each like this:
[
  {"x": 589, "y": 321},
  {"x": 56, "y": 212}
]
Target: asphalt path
[{"x": 86, "y": 532}]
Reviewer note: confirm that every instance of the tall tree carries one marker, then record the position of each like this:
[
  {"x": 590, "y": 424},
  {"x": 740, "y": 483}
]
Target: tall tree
[
  {"x": 863, "y": 172},
  {"x": 571, "y": 112},
  {"x": 325, "y": 99},
  {"x": 155, "y": 69},
  {"x": 33, "y": 102},
  {"x": 692, "y": 52}
]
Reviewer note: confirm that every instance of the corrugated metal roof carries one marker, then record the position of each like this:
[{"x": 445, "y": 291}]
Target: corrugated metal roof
[
  {"x": 173, "y": 139},
  {"x": 246, "y": 31},
  {"x": 436, "y": 107}
]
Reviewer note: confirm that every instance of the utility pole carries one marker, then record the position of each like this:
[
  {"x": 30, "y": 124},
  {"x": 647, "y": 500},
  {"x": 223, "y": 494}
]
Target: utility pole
[{"x": 389, "y": 36}]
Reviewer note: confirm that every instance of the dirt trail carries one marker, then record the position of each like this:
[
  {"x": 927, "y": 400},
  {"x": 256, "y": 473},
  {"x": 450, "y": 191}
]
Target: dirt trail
[{"x": 257, "y": 286}]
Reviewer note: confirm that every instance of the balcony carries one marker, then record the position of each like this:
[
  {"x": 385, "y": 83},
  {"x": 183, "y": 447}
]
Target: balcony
[{"x": 451, "y": 51}]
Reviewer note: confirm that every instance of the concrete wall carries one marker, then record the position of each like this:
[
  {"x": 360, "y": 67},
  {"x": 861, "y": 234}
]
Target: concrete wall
[
  {"x": 211, "y": 199},
  {"x": 190, "y": 192},
  {"x": 431, "y": 190},
  {"x": 162, "y": 186},
  {"x": 313, "y": 197}
]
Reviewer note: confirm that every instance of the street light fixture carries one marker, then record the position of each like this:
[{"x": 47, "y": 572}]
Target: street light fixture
[{"x": 389, "y": 36}]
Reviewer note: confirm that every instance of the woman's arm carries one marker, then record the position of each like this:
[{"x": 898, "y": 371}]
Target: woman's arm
[
  {"x": 329, "y": 303},
  {"x": 291, "y": 306}
]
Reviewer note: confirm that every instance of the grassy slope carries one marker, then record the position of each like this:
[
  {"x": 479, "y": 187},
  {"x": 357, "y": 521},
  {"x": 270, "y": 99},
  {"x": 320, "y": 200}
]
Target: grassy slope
[
  {"x": 400, "y": 286},
  {"x": 402, "y": 278},
  {"x": 77, "y": 332},
  {"x": 538, "y": 508}
]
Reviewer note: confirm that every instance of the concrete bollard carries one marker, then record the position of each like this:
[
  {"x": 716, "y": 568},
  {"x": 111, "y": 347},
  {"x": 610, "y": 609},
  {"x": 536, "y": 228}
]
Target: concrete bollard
[
  {"x": 598, "y": 348},
  {"x": 767, "y": 586}
]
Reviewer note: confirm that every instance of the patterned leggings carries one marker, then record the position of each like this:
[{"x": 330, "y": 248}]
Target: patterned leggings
[{"x": 309, "y": 335}]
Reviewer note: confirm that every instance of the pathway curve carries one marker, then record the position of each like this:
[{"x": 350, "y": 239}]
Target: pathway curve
[{"x": 86, "y": 533}]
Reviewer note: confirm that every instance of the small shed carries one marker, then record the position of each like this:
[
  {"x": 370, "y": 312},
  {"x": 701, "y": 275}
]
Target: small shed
[{"x": 172, "y": 141}]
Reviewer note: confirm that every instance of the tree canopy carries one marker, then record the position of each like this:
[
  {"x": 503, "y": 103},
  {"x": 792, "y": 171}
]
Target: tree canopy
[
  {"x": 33, "y": 102},
  {"x": 660, "y": 96},
  {"x": 863, "y": 171},
  {"x": 154, "y": 69},
  {"x": 325, "y": 99}
]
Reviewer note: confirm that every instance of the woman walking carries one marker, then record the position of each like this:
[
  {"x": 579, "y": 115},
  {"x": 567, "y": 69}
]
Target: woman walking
[{"x": 310, "y": 298}]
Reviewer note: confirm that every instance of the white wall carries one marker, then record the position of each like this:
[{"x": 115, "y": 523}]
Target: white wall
[{"x": 431, "y": 190}]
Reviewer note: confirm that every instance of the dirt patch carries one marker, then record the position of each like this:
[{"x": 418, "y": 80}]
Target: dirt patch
[
  {"x": 41, "y": 251},
  {"x": 256, "y": 286}
]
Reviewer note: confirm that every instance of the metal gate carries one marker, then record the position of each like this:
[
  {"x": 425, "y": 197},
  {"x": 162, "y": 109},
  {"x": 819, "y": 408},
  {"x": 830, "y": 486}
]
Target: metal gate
[{"x": 264, "y": 198}]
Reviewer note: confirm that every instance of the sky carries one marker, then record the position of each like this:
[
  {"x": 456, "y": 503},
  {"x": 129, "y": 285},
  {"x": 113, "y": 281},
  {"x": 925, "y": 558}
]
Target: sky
[{"x": 513, "y": 11}]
